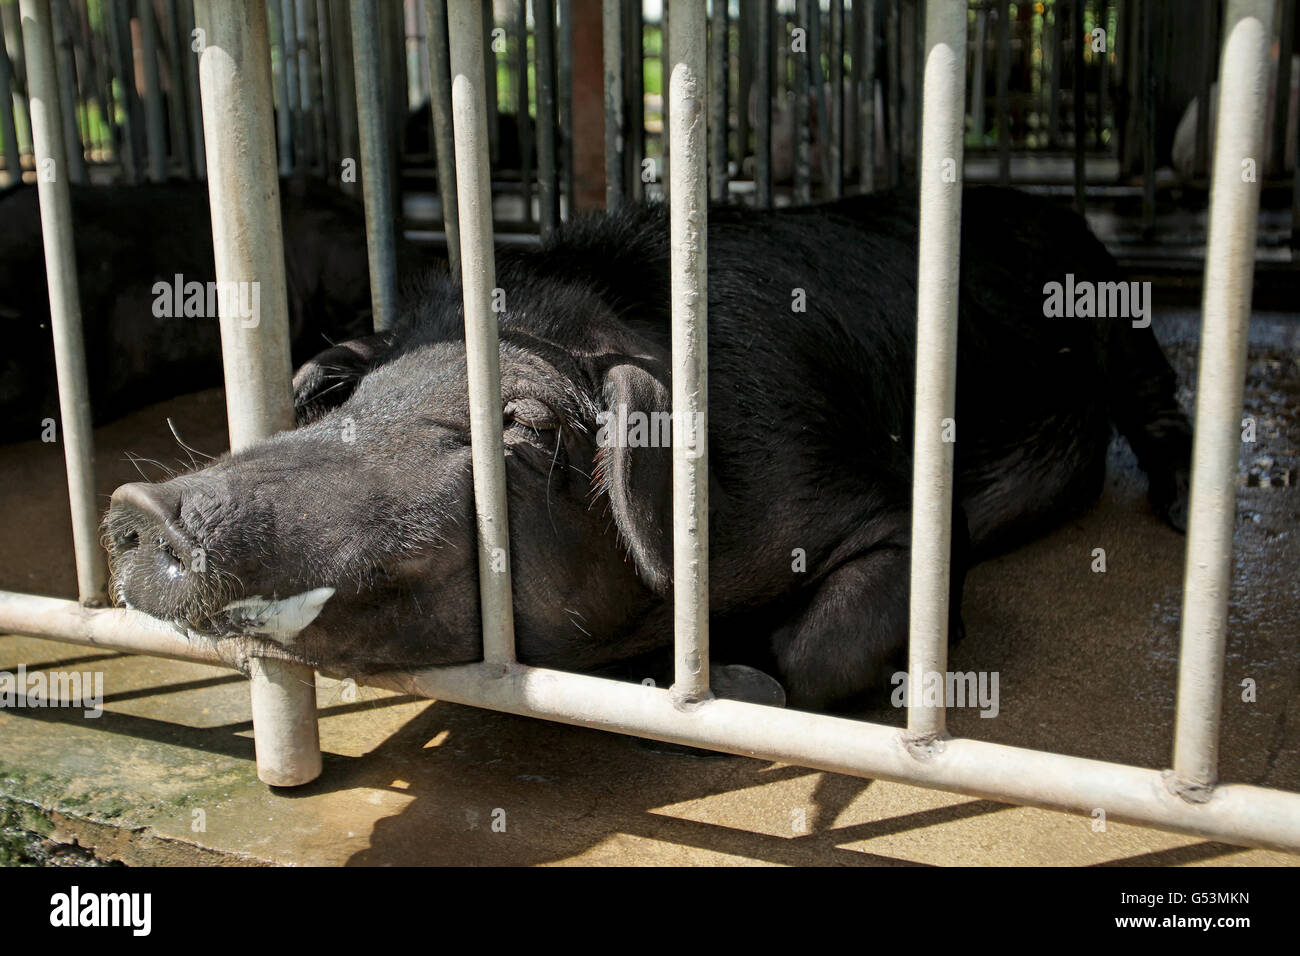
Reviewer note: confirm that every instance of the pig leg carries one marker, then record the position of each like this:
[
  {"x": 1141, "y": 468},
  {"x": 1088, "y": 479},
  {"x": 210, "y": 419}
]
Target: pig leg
[
  {"x": 851, "y": 635},
  {"x": 1145, "y": 409}
]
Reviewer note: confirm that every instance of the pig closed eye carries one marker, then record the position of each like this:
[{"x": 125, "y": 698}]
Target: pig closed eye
[{"x": 531, "y": 415}]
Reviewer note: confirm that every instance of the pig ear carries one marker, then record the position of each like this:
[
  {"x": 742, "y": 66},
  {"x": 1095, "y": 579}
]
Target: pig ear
[
  {"x": 638, "y": 480},
  {"x": 326, "y": 381}
]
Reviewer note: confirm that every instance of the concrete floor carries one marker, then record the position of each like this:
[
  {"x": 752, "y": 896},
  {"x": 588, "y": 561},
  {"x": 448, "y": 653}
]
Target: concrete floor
[{"x": 1087, "y": 666}]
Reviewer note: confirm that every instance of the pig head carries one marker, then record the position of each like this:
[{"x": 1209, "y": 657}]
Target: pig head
[{"x": 349, "y": 543}]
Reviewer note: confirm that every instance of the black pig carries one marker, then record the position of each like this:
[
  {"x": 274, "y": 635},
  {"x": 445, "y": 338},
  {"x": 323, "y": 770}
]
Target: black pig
[
  {"x": 128, "y": 239},
  {"x": 360, "y": 523}
]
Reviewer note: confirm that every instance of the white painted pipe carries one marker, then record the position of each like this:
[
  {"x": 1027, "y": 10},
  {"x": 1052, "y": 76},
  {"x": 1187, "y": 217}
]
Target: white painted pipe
[
  {"x": 938, "y": 271},
  {"x": 65, "y": 306},
  {"x": 483, "y": 357},
  {"x": 1234, "y": 813},
  {"x": 244, "y": 193},
  {"x": 688, "y": 213},
  {"x": 1229, "y": 274}
]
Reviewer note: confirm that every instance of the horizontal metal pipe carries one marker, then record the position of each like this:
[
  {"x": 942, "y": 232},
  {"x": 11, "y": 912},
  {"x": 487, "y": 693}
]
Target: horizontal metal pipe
[
  {"x": 1240, "y": 814},
  {"x": 115, "y": 630}
]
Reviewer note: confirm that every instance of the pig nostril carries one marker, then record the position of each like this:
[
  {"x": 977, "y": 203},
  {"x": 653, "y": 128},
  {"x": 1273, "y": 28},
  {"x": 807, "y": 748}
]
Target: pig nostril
[
  {"x": 169, "y": 562},
  {"x": 125, "y": 541}
]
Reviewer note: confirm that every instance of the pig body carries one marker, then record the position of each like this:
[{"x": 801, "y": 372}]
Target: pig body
[{"x": 811, "y": 376}]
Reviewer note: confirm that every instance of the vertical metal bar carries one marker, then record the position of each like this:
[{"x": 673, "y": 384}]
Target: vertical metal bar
[
  {"x": 283, "y": 114},
  {"x": 634, "y": 60},
  {"x": 802, "y": 118},
  {"x": 119, "y": 38},
  {"x": 435, "y": 30},
  {"x": 566, "y": 98},
  {"x": 1003, "y": 94},
  {"x": 783, "y": 81},
  {"x": 1054, "y": 73},
  {"x": 294, "y": 83},
  {"x": 235, "y": 76},
  {"x": 1080, "y": 102},
  {"x": 719, "y": 64},
  {"x": 1229, "y": 273},
  {"x": 155, "y": 118},
  {"x": 478, "y": 277},
  {"x": 835, "y": 49},
  {"x": 665, "y": 70},
  {"x": 612, "y": 27},
  {"x": 188, "y": 63},
  {"x": 65, "y": 308},
  {"x": 817, "y": 85},
  {"x": 977, "y": 73},
  {"x": 488, "y": 11},
  {"x": 67, "y": 75},
  {"x": 309, "y": 72},
  {"x": 417, "y": 58},
  {"x": 1148, "y": 75},
  {"x": 85, "y": 74},
  {"x": 867, "y": 100},
  {"x": 177, "y": 103},
  {"x": 548, "y": 181},
  {"x": 942, "y": 136},
  {"x": 521, "y": 110},
  {"x": 349, "y": 144},
  {"x": 392, "y": 54},
  {"x": 1282, "y": 88},
  {"x": 908, "y": 86},
  {"x": 330, "y": 151},
  {"x": 8, "y": 128},
  {"x": 893, "y": 41},
  {"x": 744, "y": 78},
  {"x": 1295, "y": 198},
  {"x": 688, "y": 217},
  {"x": 763, "y": 115},
  {"x": 1209, "y": 64},
  {"x": 1103, "y": 72},
  {"x": 376, "y": 182}
]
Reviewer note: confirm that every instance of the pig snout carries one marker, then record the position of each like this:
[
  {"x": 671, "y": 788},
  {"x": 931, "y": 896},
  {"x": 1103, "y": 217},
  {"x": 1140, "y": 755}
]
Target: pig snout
[{"x": 158, "y": 565}]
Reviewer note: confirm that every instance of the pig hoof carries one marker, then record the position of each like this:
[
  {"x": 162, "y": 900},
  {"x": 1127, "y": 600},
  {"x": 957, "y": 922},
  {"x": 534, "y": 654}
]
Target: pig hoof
[
  {"x": 748, "y": 684},
  {"x": 732, "y": 682},
  {"x": 1171, "y": 501}
]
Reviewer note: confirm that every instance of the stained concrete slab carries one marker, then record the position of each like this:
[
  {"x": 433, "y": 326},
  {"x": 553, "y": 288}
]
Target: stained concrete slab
[{"x": 1086, "y": 664}]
